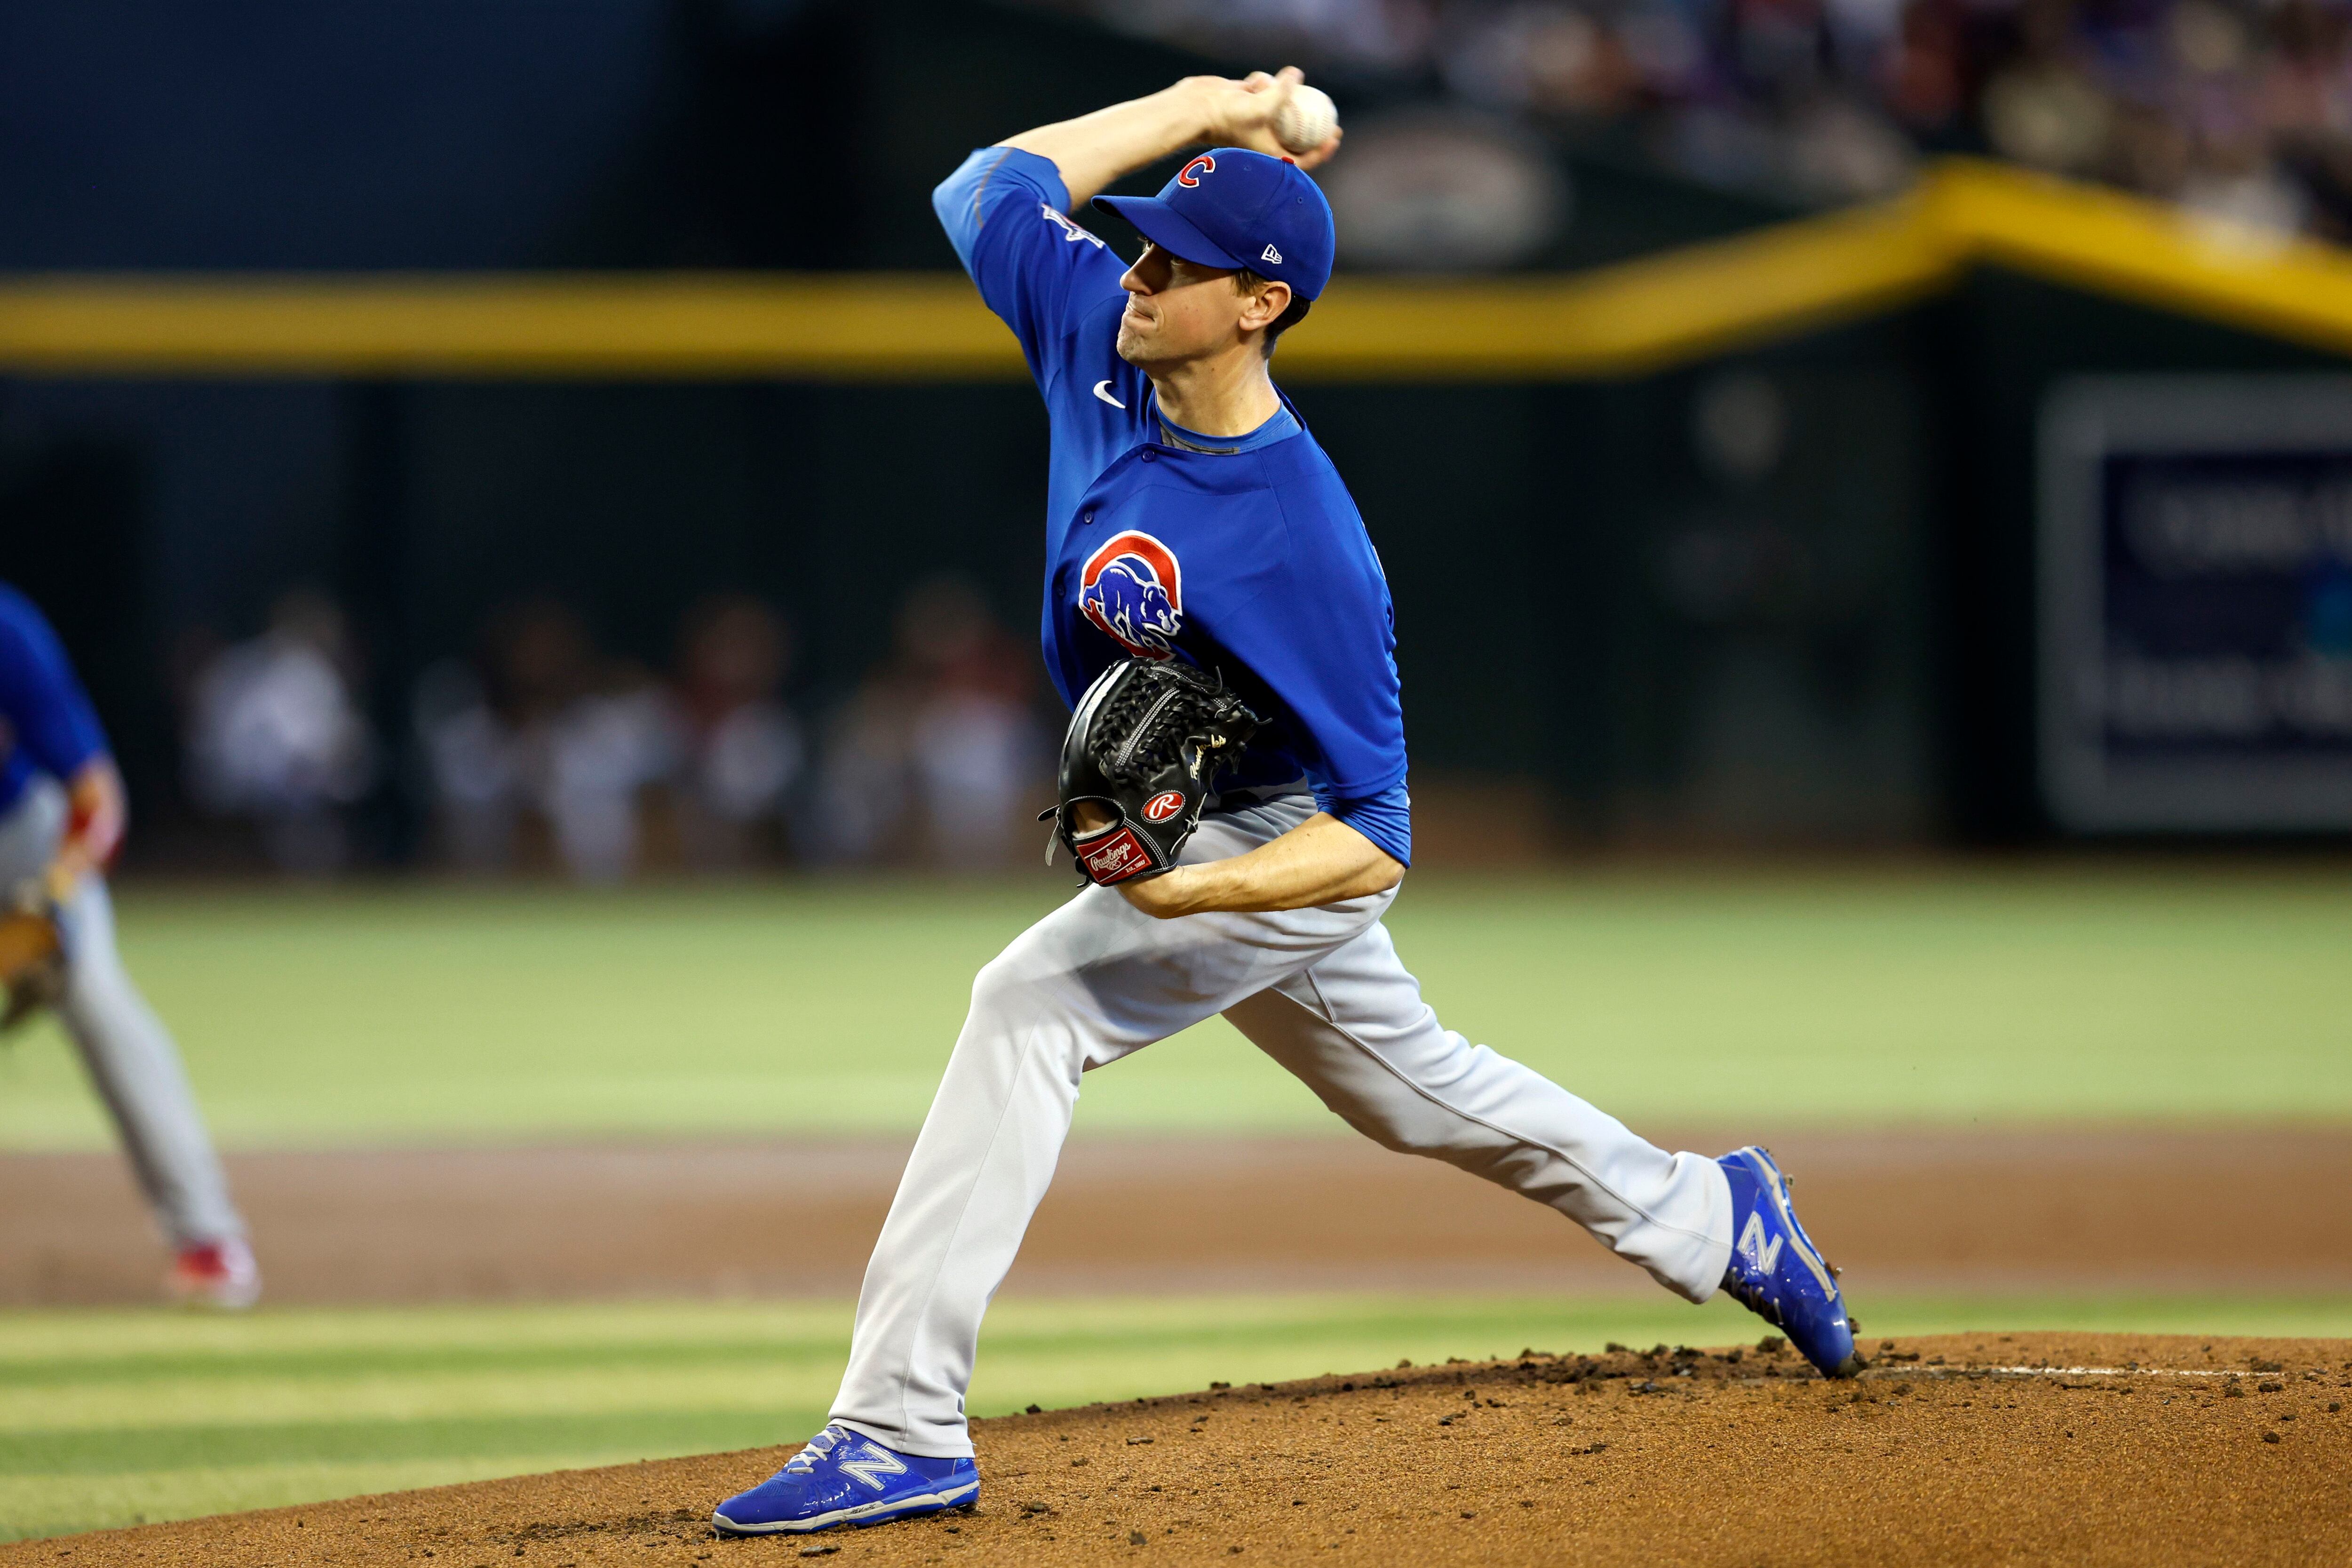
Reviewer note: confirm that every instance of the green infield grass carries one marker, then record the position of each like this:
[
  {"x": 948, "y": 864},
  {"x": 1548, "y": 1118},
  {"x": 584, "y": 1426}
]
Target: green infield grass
[
  {"x": 116, "y": 1417},
  {"x": 1958, "y": 992}
]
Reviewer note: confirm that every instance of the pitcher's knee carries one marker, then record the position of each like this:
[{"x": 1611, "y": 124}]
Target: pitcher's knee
[
  {"x": 1000, "y": 987},
  {"x": 1010, "y": 988},
  {"x": 1428, "y": 1136}
]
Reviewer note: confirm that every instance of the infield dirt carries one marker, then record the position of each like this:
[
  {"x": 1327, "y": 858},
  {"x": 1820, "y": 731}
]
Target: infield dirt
[
  {"x": 2079, "y": 1208},
  {"x": 1955, "y": 1449}
]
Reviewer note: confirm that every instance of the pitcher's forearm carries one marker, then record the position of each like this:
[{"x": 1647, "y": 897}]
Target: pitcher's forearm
[
  {"x": 1320, "y": 861},
  {"x": 1094, "y": 150}
]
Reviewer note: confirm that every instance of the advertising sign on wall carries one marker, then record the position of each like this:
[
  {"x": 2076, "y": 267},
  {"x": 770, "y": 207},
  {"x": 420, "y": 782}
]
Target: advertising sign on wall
[{"x": 2196, "y": 593}]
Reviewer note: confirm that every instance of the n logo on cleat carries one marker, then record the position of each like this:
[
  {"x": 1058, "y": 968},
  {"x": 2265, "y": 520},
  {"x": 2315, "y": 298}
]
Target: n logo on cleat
[
  {"x": 1760, "y": 1254},
  {"x": 881, "y": 1462}
]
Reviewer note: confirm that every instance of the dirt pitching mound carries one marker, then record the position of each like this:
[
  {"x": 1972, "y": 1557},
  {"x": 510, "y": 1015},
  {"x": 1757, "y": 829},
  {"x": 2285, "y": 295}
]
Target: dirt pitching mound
[{"x": 1965, "y": 1449}]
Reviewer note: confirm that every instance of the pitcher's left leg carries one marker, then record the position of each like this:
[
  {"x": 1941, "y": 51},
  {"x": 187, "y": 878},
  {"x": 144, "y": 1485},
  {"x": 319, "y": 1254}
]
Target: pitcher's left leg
[{"x": 1354, "y": 1028}]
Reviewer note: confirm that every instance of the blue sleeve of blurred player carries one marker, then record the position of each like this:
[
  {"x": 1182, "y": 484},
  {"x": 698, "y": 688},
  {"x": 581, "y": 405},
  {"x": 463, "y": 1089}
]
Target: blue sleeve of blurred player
[
  {"x": 1039, "y": 270},
  {"x": 55, "y": 726}
]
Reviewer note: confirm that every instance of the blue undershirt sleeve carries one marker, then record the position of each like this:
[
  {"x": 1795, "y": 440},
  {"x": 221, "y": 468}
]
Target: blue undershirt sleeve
[{"x": 1385, "y": 819}]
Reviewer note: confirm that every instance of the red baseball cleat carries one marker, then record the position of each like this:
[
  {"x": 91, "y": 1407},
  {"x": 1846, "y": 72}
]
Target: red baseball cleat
[{"x": 220, "y": 1275}]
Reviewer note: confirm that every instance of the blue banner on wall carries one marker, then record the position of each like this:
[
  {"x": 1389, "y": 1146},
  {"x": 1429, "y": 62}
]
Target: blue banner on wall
[{"x": 2196, "y": 561}]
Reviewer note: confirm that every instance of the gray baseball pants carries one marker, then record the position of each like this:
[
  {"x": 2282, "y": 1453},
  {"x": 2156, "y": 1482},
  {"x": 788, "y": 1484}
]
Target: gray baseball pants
[
  {"x": 1320, "y": 991},
  {"x": 129, "y": 1054}
]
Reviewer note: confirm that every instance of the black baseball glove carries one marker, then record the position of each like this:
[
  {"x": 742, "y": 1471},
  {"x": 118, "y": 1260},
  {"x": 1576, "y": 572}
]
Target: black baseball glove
[{"x": 1139, "y": 762}]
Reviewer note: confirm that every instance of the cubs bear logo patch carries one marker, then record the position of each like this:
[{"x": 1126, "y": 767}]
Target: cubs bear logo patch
[{"x": 1132, "y": 590}]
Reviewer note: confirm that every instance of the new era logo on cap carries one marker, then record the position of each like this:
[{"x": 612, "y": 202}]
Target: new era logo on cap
[{"x": 1270, "y": 254}]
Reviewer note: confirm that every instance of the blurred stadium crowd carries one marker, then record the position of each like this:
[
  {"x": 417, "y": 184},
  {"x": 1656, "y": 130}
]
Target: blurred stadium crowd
[
  {"x": 540, "y": 752},
  {"x": 2243, "y": 108}
]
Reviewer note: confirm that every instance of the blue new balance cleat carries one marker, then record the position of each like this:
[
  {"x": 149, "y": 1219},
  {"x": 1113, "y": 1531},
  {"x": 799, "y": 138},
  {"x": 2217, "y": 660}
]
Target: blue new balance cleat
[
  {"x": 1777, "y": 1273},
  {"x": 845, "y": 1478}
]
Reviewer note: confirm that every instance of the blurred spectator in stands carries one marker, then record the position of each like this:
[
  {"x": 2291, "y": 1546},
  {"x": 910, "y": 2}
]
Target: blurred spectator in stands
[
  {"x": 935, "y": 757},
  {"x": 275, "y": 737},
  {"x": 977, "y": 751},
  {"x": 742, "y": 748},
  {"x": 2044, "y": 107},
  {"x": 2241, "y": 109},
  {"x": 862, "y": 790},
  {"x": 470, "y": 759},
  {"x": 556, "y": 728},
  {"x": 589, "y": 765}
]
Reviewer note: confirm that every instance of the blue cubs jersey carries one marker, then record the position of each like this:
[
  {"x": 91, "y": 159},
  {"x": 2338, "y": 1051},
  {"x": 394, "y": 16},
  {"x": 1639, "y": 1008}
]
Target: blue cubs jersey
[
  {"x": 1244, "y": 556},
  {"x": 47, "y": 724}
]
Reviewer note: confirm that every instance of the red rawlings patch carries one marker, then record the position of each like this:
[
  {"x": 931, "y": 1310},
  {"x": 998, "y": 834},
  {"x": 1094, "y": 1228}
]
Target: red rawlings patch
[
  {"x": 1115, "y": 857},
  {"x": 1160, "y": 807}
]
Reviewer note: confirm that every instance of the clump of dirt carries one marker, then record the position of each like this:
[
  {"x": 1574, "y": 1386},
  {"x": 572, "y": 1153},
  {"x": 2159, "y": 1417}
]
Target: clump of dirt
[{"x": 1955, "y": 1449}]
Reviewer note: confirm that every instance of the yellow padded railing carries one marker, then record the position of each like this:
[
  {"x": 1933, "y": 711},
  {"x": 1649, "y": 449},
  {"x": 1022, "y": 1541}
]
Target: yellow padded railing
[{"x": 1608, "y": 322}]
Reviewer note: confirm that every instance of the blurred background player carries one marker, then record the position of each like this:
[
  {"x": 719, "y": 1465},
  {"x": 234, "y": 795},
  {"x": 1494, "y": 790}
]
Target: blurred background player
[{"x": 61, "y": 820}]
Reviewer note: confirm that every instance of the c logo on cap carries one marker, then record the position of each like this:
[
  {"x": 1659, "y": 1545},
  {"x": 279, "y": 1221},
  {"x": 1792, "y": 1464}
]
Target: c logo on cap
[{"x": 1190, "y": 176}]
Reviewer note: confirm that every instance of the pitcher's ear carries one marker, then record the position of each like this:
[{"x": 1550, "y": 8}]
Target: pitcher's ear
[{"x": 1266, "y": 305}]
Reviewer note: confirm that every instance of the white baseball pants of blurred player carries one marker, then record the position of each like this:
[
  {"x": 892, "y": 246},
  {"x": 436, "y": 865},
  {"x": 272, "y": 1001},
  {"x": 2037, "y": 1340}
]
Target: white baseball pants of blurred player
[
  {"x": 1321, "y": 992},
  {"x": 128, "y": 1052}
]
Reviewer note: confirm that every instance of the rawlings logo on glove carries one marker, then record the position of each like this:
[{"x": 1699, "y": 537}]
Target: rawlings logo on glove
[{"x": 1139, "y": 762}]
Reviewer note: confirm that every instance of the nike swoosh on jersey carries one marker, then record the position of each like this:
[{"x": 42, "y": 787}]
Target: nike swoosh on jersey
[{"x": 1102, "y": 390}]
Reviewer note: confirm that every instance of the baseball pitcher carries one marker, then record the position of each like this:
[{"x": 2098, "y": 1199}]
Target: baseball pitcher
[
  {"x": 61, "y": 820},
  {"x": 1192, "y": 522}
]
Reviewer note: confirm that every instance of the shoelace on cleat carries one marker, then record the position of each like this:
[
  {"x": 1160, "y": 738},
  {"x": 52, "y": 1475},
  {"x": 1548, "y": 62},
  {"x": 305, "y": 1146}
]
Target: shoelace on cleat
[
  {"x": 818, "y": 1447},
  {"x": 1752, "y": 1298}
]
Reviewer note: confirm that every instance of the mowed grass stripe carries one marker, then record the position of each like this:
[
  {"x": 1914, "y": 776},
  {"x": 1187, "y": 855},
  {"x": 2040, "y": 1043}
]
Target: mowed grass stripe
[
  {"x": 279, "y": 1377},
  {"x": 612, "y": 1387},
  {"x": 1947, "y": 993},
  {"x": 32, "y": 1507},
  {"x": 644, "y": 1434},
  {"x": 86, "y": 1333},
  {"x": 386, "y": 1362}
]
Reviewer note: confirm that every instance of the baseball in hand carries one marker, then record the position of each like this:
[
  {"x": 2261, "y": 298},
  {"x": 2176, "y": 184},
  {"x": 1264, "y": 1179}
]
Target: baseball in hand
[{"x": 1306, "y": 120}]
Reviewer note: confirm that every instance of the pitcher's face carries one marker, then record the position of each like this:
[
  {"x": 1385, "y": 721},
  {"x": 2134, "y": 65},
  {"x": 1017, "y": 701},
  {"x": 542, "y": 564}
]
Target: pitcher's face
[{"x": 1177, "y": 310}]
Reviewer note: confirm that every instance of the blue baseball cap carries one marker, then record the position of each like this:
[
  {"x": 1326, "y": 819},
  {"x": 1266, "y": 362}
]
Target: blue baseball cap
[{"x": 1234, "y": 208}]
